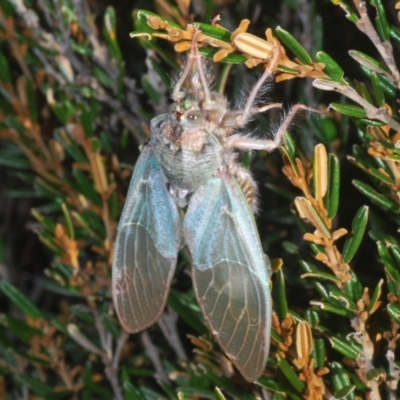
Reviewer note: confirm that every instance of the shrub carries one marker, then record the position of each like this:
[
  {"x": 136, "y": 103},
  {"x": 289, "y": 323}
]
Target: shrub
[{"x": 74, "y": 102}]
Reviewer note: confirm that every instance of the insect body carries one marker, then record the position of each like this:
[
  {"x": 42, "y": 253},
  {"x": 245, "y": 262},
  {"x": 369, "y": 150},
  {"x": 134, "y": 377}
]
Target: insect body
[{"x": 190, "y": 163}]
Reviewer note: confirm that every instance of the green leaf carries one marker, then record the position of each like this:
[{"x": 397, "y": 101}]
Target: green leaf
[
  {"x": 214, "y": 31},
  {"x": 271, "y": 383},
  {"x": 371, "y": 122},
  {"x": 110, "y": 33},
  {"x": 2, "y": 250},
  {"x": 11, "y": 156},
  {"x": 388, "y": 86},
  {"x": 190, "y": 392},
  {"x": 351, "y": 15},
  {"x": 31, "y": 96},
  {"x": 218, "y": 394},
  {"x": 382, "y": 176},
  {"x": 330, "y": 308},
  {"x": 143, "y": 15},
  {"x": 367, "y": 61},
  {"x": 37, "y": 386},
  {"x": 162, "y": 51},
  {"x": 187, "y": 310},
  {"x": 353, "y": 241},
  {"x": 375, "y": 296},
  {"x": 377, "y": 198},
  {"x": 337, "y": 296},
  {"x": 83, "y": 315},
  {"x": 152, "y": 93},
  {"x": 284, "y": 68},
  {"x": 375, "y": 374},
  {"x": 103, "y": 77},
  {"x": 230, "y": 58},
  {"x": 395, "y": 252},
  {"x": 227, "y": 385},
  {"x": 293, "y": 45},
  {"x": 160, "y": 70},
  {"x": 331, "y": 199},
  {"x": 289, "y": 373},
  {"x": 313, "y": 270},
  {"x": 332, "y": 68},
  {"x": 68, "y": 221},
  {"x": 130, "y": 391},
  {"x": 344, "y": 347},
  {"x": 378, "y": 91},
  {"x": 340, "y": 378},
  {"x": 64, "y": 111},
  {"x": 325, "y": 128},
  {"x": 395, "y": 33},
  {"x": 389, "y": 262},
  {"x": 5, "y": 75},
  {"x": 113, "y": 206},
  {"x": 20, "y": 300},
  {"x": 382, "y": 25},
  {"x": 345, "y": 393},
  {"x": 46, "y": 222},
  {"x": 86, "y": 187},
  {"x": 20, "y": 329},
  {"x": 282, "y": 306},
  {"x": 349, "y": 109},
  {"x": 319, "y": 349},
  {"x": 317, "y": 33},
  {"x": 326, "y": 276},
  {"x": 70, "y": 146},
  {"x": 361, "y": 157},
  {"x": 362, "y": 89},
  {"x": 312, "y": 317},
  {"x": 92, "y": 221},
  {"x": 209, "y": 11},
  {"x": 87, "y": 115},
  {"x": 353, "y": 287},
  {"x": 290, "y": 150},
  {"x": 393, "y": 310}
]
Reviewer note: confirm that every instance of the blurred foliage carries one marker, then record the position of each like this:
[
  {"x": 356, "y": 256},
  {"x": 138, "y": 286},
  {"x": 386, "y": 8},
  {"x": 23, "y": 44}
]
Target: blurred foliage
[{"x": 76, "y": 98}]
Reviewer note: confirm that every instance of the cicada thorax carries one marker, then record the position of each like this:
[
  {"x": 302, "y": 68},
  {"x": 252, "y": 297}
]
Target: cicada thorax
[
  {"x": 188, "y": 158},
  {"x": 187, "y": 140}
]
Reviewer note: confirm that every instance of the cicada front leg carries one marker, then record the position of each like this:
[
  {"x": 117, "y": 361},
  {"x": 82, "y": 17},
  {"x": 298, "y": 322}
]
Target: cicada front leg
[{"x": 245, "y": 143}]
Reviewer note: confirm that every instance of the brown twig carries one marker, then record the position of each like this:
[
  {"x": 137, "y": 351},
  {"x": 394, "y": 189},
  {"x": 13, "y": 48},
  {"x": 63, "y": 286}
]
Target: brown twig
[
  {"x": 372, "y": 112},
  {"x": 365, "y": 361},
  {"x": 152, "y": 352},
  {"x": 393, "y": 379},
  {"x": 167, "y": 324},
  {"x": 385, "y": 48}
]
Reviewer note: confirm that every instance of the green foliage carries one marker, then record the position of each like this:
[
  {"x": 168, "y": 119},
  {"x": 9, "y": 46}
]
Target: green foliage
[{"x": 70, "y": 109}]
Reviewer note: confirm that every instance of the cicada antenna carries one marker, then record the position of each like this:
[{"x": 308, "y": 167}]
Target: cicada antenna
[
  {"x": 207, "y": 95},
  {"x": 193, "y": 56},
  {"x": 188, "y": 66}
]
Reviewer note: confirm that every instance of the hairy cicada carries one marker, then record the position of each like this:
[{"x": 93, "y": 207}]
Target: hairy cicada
[{"x": 190, "y": 163}]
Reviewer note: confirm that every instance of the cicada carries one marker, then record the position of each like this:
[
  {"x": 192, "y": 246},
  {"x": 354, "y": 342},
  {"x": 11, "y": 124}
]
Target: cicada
[{"x": 188, "y": 188}]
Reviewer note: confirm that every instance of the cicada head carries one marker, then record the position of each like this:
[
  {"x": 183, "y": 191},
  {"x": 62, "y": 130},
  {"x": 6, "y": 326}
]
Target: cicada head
[{"x": 195, "y": 104}]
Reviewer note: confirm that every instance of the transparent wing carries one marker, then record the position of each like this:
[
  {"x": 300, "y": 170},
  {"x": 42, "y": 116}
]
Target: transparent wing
[
  {"x": 230, "y": 273},
  {"x": 146, "y": 247}
]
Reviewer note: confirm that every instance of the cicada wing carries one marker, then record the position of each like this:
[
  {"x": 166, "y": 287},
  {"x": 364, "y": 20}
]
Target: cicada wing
[
  {"x": 230, "y": 273},
  {"x": 146, "y": 247}
]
